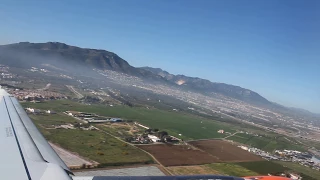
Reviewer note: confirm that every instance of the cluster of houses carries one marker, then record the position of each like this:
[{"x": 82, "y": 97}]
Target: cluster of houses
[
  {"x": 4, "y": 72},
  {"x": 82, "y": 126},
  {"x": 76, "y": 126},
  {"x": 35, "y": 95},
  {"x": 34, "y": 69},
  {"x": 152, "y": 136},
  {"x": 303, "y": 158},
  {"x": 149, "y": 135},
  {"x": 37, "y": 111},
  {"x": 221, "y": 131},
  {"x": 91, "y": 117}
]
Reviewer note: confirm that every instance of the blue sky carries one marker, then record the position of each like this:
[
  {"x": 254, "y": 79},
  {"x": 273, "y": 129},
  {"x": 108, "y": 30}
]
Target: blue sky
[{"x": 269, "y": 46}]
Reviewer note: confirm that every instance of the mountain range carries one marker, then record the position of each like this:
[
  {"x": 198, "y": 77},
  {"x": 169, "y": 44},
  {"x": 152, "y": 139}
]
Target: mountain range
[
  {"x": 26, "y": 54},
  {"x": 207, "y": 86}
]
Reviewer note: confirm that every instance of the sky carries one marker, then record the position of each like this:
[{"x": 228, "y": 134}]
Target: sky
[{"x": 268, "y": 46}]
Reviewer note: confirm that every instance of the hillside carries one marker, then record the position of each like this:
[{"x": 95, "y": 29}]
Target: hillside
[
  {"x": 208, "y": 86},
  {"x": 67, "y": 57},
  {"x": 81, "y": 60}
]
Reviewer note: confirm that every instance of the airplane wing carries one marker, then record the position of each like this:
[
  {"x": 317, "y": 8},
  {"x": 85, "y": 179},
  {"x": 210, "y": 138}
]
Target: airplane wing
[{"x": 26, "y": 154}]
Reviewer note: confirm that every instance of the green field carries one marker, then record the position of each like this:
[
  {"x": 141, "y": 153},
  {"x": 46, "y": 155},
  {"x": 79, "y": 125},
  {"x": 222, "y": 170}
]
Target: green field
[
  {"x": 265, "y": 167},
  {"x": 190, "y": 126},
  {"x": 242, "y": 169},
  {"x": 266, "y": 142},
  {"x": 302, "y": 169},
  {"x": 175, "y": 123},
  {"x": 51, "y": 119},
  {"x": 241, "y": 138},
  {"x": 311, "y": 143},
  {"x": 232, "y": 169},
  {"x": 118, "y": 132},
  {"x": 107, "y": 150},
  {"x": 97, "y": 146},
  {"x": 217, "y": 168}
]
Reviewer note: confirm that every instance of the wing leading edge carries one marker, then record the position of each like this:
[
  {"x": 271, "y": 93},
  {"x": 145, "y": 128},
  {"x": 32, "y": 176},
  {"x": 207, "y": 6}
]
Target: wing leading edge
[{"x": 25, "y": 154}]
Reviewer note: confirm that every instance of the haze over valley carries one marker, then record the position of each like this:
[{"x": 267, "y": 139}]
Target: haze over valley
[
  {"x": 96, "y": 93},
  {"x": 91, "y": 70},
  {"x": 161, "y": 88}
]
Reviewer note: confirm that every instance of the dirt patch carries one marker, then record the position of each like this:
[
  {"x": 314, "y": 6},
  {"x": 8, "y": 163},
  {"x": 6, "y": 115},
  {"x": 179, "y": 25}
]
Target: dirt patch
[
  {"x": 123, "y": 127},
  {"x": 178, "y": 155},
  {"x": 225, "y": 151},
  {"x": 191, "y": 170}
]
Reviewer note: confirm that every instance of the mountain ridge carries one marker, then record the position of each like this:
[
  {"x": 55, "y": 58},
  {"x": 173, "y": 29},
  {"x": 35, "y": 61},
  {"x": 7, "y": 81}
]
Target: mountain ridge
[
  {"x": 61, "y": 53},
  {"x": 208, "y": 86},
  {"x": 74, "y": 56}
]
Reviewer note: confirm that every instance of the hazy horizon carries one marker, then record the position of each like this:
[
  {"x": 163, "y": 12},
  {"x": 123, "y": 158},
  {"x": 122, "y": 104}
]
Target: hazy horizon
[{"x": 270, "y": 47}]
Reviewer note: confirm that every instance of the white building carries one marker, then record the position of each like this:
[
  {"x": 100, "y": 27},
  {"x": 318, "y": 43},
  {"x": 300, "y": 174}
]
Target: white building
[
  {"x": 145, "y": 127},
  {"x": 243, "y": 147},
  {"x": 221, "y": 131},
  {"x": 50, "y": 112},
  {"x": 30, "y": 110},
  {"x": 154, "y": 138}
]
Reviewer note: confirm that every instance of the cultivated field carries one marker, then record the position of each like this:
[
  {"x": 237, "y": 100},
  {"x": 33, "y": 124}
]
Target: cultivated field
[
  {"x": 229, "y": 169},
  {"x": 192, "y": 170},
  {"x": 178, "y": 155},
  {"x": 121, "y": 130},
  {"x": 97, "y": 146},
  {"x": 241, "y": 169},
  {"x": 94, "y": 145},
  {"x": 271, "y": 167},
  {"x": 225, "y": 151},
  {"x": 189, "y": 126},
  {"x": 267, "y": 142},
  {"x": 302, "y": 169}
]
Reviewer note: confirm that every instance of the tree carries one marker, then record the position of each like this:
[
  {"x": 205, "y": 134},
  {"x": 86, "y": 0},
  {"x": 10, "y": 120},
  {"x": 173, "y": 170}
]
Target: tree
[
  {"x": 166, "y": 139},
  {"x": 148, "y": 131},
  {"x": 129, "y": 139},
  {"x": 162, "y": 134},
  {"x": 87, "y": 125},
  {"x": 83, "y": 166},
  {"x": 77, "y": 125}
]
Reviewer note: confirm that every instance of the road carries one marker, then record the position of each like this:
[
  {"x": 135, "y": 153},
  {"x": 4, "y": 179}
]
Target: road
[
  {"x": 45, "y": 88},
  {"x": 216, "y": 138},
  {"x": 75, "y": 92},
  {"x": 162, "y": 166},
  {"x": 84, "y": 121},
  {"x": 231, "y": 135},
  {"x": 298, "y": 133},
  {"x": 154, "y": 158}
]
